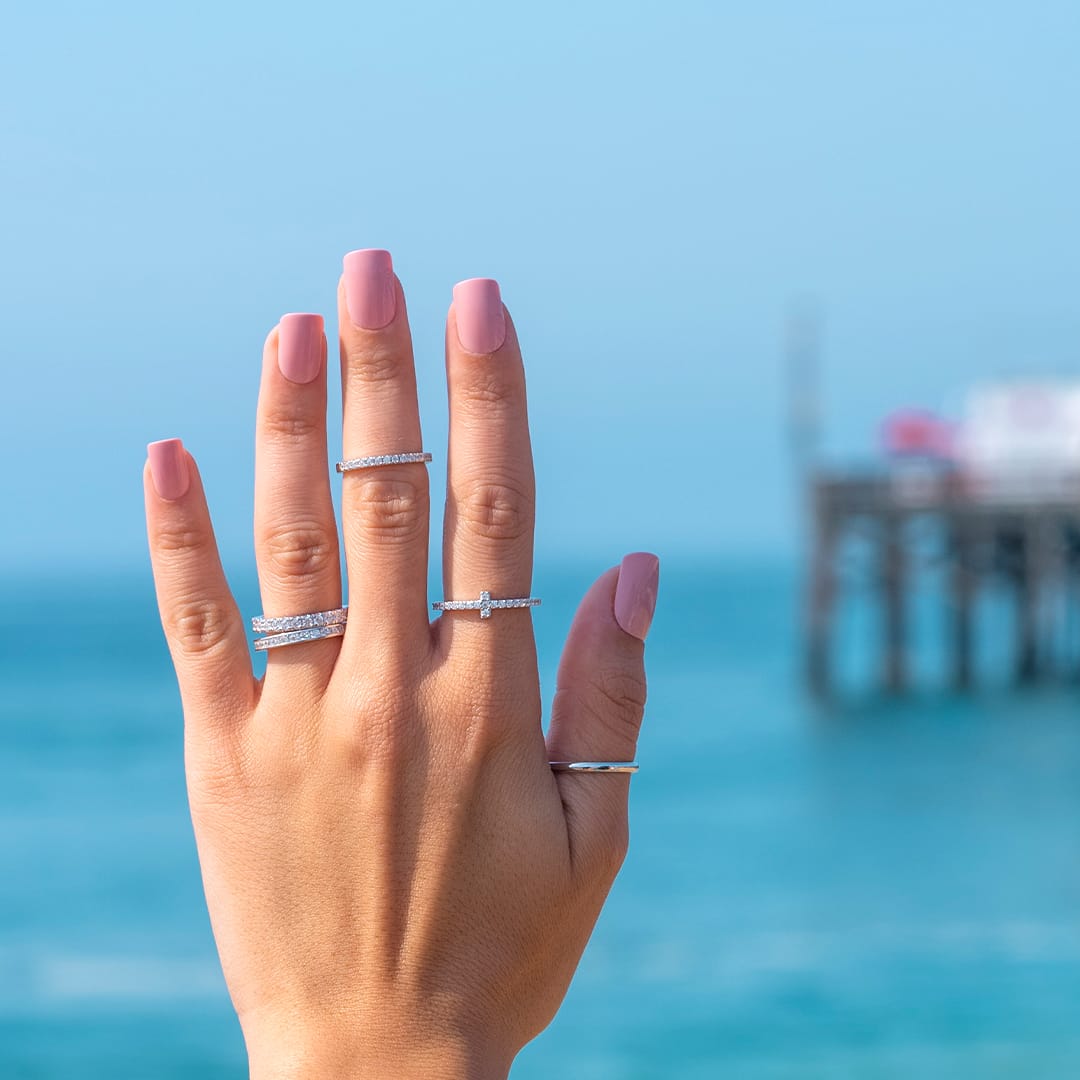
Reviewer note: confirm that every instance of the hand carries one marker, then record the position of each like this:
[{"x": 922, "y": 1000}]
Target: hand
[{"x": 398, "y": 883}]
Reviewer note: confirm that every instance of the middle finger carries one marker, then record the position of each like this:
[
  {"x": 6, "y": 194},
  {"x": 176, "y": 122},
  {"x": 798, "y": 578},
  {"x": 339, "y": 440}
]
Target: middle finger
[{"x": 384, "y": 508}]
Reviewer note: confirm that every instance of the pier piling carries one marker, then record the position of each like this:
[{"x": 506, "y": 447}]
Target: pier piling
[{"x": 1028, "y": 543}]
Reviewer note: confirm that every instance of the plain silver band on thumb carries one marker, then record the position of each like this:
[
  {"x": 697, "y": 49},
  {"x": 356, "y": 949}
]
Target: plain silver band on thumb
[{"x": 594, "y": 766}]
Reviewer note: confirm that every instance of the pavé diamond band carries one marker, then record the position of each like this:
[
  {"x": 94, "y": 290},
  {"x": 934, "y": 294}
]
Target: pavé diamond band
[
  {"x": 352, "y": 464},
  {"x": 594, "y": 766},
  {"x": 262, "y": 625},
  {"x": 295, "y": 629},
  {"x": 296, "y": 637},
  {"x": 485, "y": 605}
]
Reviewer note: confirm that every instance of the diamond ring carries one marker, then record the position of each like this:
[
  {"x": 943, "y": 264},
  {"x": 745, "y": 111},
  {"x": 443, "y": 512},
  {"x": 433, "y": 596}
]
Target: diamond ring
[
  {"x": 295, "y": 637},
  {"x": 294, "y": 629},
  {"x": 263, "y": 625},
  {"x": 352, "y": 464},
  {"x": 485, "y": 605}
]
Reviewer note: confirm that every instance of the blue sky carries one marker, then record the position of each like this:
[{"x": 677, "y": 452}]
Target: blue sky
[{"x": 652, "y": 184}]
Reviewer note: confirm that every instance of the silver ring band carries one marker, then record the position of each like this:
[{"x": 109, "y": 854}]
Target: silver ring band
[
  {"x": 594, "y": 766},
  {"x": 262, "y": 625},
  {"x": 421, "y": 457},
  {"x": 295, "y": 637},
  {"x": 485, "y": 605}
]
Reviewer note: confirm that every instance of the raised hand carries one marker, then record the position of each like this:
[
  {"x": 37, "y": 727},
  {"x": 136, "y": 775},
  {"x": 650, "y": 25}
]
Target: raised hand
[{"x": 399, "y": 883}]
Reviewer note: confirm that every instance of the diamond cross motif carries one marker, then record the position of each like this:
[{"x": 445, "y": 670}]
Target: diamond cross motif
[{"x": 486, "y": 605}]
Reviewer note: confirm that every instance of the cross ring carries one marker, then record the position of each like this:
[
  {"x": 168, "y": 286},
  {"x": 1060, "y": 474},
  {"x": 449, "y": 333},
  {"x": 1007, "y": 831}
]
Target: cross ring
[{"x": 485, "y": 605}]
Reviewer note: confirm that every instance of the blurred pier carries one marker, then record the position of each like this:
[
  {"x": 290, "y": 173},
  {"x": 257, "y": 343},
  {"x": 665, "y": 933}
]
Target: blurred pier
[
  {"x": 996, "y": 492},
  {"x": 1025, "y": 537}
]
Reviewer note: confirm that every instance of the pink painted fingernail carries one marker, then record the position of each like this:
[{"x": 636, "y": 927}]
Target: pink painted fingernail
[
  {"x": 299, "y": 353},
  {"x": 169, "y": 468},
  {"x": 369, "y": 288},
  {"x": 635, "y": 592},
  {"x": 478, "y": 308}
]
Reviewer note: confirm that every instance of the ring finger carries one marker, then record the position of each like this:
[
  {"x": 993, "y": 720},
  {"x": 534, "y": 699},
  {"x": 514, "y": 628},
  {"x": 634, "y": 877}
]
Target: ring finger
[
  {"x": 488, "y": 542},
  {"x": 296, "y": 540}
]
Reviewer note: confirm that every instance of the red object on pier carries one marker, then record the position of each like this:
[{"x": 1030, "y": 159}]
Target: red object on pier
[{"x": 916, "y": 433}]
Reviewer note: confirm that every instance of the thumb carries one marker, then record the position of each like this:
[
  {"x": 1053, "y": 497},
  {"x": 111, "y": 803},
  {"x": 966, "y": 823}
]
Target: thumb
[{"x": 598, "y": 705}]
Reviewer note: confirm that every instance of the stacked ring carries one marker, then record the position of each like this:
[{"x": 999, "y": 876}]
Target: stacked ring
[
  {"x": 294, "y": 629},
  {"x": 262, "y": 625}
]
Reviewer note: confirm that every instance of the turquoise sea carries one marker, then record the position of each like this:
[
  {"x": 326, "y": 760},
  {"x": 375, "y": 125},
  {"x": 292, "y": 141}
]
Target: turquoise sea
[{"x": 883, "y": 890}]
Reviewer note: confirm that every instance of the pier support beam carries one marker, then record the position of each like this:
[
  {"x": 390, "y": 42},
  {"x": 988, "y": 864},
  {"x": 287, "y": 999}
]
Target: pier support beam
[
  {"x": 1027, "y": 604},
  {"x": 1053, "y": 596},
  {"x": 893, "y": 586},
  {"x": 962, "y": 582},
  {"x": 822, "y": 591}
]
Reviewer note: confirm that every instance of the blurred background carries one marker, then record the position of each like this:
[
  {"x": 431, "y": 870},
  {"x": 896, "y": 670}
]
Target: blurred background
[{"x": 797, "y": 286}]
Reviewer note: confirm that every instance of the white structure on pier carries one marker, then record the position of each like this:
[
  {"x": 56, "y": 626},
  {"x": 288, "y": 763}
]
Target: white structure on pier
[{"x": 1020, "y": 441}]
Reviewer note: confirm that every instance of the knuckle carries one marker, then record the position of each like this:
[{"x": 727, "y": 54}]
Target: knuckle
[
  {"x": 301, "y": 550},
  {"x": 290, "y": 425},
  {"x": 490, "y": 393},
  {"x": 623, "y": 690},
  {"x": 382, "y": 735},
  {"x": 220, "y": 768},
  {"x": 497, "y": 510},
  {"x": 284, "y": 755},
  {"x": 613, "y": 704},
  {"x": 198, "y": 627},
  {"x": 483, "y": 727},
  {"x": 378, "y": 730},
  {"x": 374, "y": 362},
  {"x": 392, "y": 508},
  {"x": 180, "y": 538}
]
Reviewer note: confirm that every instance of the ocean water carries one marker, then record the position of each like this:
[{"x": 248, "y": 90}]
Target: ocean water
[{"x": 884, "y": 889}]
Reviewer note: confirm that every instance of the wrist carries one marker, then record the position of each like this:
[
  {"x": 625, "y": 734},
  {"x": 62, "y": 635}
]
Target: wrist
[{"x": 335, "y": 1053}]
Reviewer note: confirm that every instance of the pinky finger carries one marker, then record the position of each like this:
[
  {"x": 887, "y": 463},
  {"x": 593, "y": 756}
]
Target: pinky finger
[{"x": 201, "y": 620}]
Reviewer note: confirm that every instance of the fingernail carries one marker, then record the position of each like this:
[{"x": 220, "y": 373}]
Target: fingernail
[
  {"x": 369, "y": 288},
  {"x": 169, "y": 468},
  {"x": 635, "y": 592},
  {"x": 299, "y": 353},
  {"x": 478, "y": 309}
]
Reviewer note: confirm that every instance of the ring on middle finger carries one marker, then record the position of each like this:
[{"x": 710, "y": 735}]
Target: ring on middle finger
[{"x": 373, "y": 461}]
